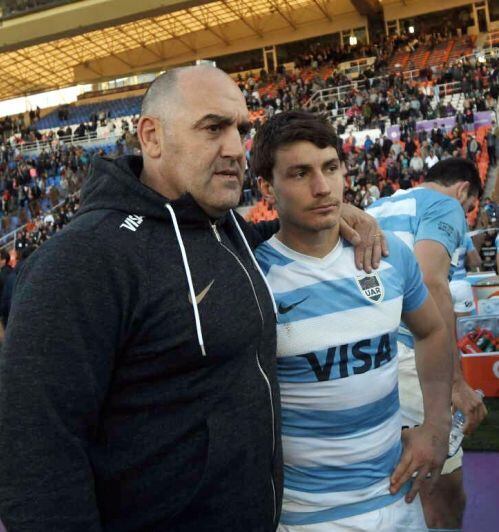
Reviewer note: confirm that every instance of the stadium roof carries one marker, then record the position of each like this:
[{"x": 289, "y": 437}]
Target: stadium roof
[{"x": 156, "y": 41}]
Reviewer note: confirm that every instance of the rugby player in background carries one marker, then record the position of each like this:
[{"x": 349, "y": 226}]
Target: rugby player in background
[{"x": 430, "y": 221}]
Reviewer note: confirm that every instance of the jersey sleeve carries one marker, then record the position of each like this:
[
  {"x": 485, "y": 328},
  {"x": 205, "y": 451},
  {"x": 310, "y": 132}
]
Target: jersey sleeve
[{"x": 443, "y": 222}]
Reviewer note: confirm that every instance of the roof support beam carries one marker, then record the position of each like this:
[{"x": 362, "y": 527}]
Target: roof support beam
[
  {"x": 40, "y": 69},
  {"x": 107, "y": 52},
  {"x": 17, "y": 76},
  {"x": 208, "y": 28},
  {"x": 9, "y": 76},
  {"x": 243, "y": 19},
  {"x": 141, "y": 44},
  {"x": 287, "y": 18},
  {"x": 322, "y": 8},
  {"x": 174, "y": 36},
  {"x": 73, "y": 58}
]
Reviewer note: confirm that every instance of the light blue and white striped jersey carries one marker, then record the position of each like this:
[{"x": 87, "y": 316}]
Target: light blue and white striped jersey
[
  {"x": 421, "y": 214},
  {"x": 337, "y": 369},
  {"x": 458, "y": 272}
]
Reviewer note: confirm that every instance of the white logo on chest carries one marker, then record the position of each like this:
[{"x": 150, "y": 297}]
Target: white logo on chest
[{"x": 132, "y": 222}]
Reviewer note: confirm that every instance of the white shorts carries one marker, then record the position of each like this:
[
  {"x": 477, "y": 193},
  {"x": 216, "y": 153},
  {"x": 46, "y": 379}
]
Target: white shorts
[
  {"x": 462, "y": 295},
  {"x": 397, "y": 517},
  {"x": 411, "y": 400}
]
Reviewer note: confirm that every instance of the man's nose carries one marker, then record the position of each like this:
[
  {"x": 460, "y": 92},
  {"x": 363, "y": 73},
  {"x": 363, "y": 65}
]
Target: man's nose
[
  {"x": 232, "y": 144},
  {"x": 320, "y": 185}
]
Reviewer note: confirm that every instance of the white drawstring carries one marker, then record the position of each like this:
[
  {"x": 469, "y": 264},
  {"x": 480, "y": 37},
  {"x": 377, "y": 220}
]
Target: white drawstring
[
  {"x": 189, "y": 278},
  {"x": 255, "y": 262}
]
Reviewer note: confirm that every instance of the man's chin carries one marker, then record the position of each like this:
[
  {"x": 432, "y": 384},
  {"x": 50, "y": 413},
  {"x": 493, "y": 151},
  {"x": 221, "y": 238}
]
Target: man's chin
[
  {"x": 315, "y": 226},
  {"x": 324, "y": 225},
  {"x": 220, "y": 206}
]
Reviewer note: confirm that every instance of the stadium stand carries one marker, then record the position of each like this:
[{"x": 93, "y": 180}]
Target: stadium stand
[{"x": 84, "y": 113}]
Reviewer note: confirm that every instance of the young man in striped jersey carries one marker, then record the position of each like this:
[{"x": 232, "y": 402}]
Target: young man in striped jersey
[
  {"x": 430, "y": 221},
  {"x": 346, "y": 465}
]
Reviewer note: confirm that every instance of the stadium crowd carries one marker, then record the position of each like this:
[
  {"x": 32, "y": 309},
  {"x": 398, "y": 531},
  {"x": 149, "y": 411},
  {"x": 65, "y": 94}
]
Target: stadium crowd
[
  {"x": 32, "y": 185},
  {"x": 374, "y": 168}
]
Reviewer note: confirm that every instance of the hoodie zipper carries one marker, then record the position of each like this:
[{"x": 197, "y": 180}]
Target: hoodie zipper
[{"x": 260, "y": 369}]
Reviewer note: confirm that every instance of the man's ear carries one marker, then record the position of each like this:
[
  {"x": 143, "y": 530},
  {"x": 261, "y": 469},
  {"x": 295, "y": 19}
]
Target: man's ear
[
  {"x": 462, "y": 190},
  {"x": 267, "y": 190},
  {"x": 149, "y": 134}
]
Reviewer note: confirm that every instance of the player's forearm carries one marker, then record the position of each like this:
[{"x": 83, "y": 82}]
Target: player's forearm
[
  {"x": 435, "y": 377},
  {"x": 439, "y": 289}
]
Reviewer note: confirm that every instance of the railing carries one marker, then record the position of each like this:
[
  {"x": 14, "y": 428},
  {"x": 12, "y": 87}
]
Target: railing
[
  {"x": 356, "y": 66},
  {"x": 444, "y": 89},
  {"x": 331, "y": 93},
  {"x": 89, "y": 140}
]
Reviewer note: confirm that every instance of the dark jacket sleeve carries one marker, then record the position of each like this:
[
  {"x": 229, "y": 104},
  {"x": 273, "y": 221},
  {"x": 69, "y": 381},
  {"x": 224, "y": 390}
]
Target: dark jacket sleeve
[
  {"x": 55, "y": 369},
  {"x": 257, "y": 233},
  {"x": 267, "y": 230}
]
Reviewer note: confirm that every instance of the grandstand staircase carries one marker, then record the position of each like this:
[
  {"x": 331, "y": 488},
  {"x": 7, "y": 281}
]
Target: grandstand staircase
[
  {"x": 399, "y": 60},
  {"x": 461, "y": 48},
  {"x": 444, "y": 53},
  {"x": 419, "y": 58},
  {"x": 441, "y": 53}
]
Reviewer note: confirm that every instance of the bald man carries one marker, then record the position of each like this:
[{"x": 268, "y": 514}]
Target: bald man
[{"x": 138, "y": 386}]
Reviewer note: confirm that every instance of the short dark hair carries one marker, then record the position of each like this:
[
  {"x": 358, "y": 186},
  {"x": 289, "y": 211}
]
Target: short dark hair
[
  {"x": 284, "y": 129},
  {"x": 455, "y": 169},
  {"x": 5, "y": 255}
]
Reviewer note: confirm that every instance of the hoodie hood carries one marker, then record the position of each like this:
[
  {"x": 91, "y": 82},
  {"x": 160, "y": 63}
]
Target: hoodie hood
[{"x": 115, "y": 184}]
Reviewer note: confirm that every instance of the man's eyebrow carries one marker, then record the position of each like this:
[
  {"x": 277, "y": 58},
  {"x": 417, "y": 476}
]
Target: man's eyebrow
[
  {"x": 218, "y": 119},
  {"x": 222, "y": 120},
  {"x": 299, "y": 167},
  {"x": 304, "y": 166},
  {"x": 333, "y": 160}
]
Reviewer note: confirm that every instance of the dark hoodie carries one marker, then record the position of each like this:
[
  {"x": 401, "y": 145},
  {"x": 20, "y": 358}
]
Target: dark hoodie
[{"x": 123, "y": 407}]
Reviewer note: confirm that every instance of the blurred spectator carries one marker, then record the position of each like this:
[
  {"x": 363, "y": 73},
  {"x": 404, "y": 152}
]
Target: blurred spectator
[
  {"x": 431, "y": 160},
  {"x": 8, "y": 288}
]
